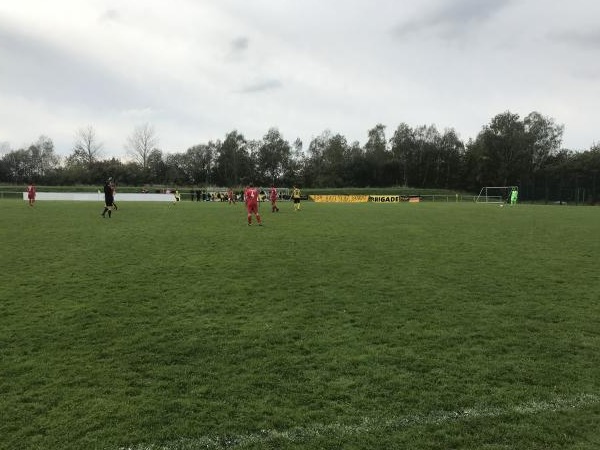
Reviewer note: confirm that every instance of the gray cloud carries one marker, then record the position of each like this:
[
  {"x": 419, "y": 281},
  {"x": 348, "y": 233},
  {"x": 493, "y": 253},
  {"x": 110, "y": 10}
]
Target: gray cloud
[
  {"x": 238, "y": 48},
  {"x": 589, "y": 40},
  {"x": 110, "y": 15},
  {"x": 240, "y": 44},
  {"x": 261, "y": 86},
  {"x": 453, "y": 19},
  {"x": 43, "y": 71}
]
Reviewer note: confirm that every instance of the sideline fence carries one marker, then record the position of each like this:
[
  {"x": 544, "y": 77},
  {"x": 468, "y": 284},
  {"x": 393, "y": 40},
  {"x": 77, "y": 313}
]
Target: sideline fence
[
  {"x": 446, "y": 198},
  {"x": 11, "y": 195}
]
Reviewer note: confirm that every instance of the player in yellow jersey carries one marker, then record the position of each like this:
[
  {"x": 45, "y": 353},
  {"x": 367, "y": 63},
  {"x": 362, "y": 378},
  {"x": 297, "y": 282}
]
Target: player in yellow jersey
[{"x": 296, "y": 198}]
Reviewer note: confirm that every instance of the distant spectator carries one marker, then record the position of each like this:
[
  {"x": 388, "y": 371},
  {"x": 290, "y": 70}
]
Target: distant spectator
[{"x": 230, "y": 196}]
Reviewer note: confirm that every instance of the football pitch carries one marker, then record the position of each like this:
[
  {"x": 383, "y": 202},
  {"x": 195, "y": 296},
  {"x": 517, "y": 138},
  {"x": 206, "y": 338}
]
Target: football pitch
[{"x": 342, "y": 326}]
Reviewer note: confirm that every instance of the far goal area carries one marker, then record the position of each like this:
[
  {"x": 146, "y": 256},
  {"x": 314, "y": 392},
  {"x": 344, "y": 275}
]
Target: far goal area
[{"x": 494, "y": 194}]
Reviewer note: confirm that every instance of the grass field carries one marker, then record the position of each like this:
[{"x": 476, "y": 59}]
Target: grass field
[{"x": 342, "y": 326}]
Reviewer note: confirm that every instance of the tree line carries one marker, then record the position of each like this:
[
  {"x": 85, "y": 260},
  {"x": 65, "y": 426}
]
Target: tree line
[{"x": 509, "y": 151}]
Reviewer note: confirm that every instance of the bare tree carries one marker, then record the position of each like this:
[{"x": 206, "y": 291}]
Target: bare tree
[
  {"x": 86, "y": 149},
  {"x": 141, "y": 143},
  {"x": 4, "y": 148}
]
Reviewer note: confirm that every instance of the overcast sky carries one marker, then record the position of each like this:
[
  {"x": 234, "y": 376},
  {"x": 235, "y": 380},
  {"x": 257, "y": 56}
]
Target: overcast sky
[{"x": 198, "y": 69}]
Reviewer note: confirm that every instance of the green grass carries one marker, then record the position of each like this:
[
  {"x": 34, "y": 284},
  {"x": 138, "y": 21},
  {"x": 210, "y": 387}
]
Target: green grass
[{"x": 343, "y": 326}]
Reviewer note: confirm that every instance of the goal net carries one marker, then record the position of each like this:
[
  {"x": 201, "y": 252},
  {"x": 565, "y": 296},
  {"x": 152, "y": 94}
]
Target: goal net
[{"x": 494, "y": 194}]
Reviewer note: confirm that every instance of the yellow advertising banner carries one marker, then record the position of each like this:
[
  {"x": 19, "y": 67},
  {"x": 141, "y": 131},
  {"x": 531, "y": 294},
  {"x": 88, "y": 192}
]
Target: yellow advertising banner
[{"x": 339, "y": 198}]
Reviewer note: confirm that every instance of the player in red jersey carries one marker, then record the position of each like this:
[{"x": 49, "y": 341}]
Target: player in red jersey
[
  {"x": 31, "y": 194},
  {"x": 251, "y": 199},
  {"x": 273, "y": 197},
  {"x": 230, "y": 196}
]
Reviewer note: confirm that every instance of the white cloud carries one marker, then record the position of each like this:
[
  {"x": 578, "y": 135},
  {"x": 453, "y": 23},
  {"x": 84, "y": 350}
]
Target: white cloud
[{"x": 199, "y": 69}]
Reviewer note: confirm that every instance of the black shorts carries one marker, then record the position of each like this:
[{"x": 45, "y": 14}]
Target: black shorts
[
  {"x": 108, "y": 201},
  {"x": 296, "y": 200}
]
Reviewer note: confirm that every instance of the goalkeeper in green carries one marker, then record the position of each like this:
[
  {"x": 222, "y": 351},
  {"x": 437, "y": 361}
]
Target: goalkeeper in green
[{"x": 514, "y": 194}]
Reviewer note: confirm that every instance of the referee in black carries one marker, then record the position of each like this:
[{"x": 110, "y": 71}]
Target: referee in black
[{"x": 109, "y": 198}]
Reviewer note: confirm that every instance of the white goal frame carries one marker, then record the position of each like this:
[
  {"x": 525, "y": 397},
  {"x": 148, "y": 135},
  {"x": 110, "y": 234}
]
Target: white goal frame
[{"x": 494, "y": 194}]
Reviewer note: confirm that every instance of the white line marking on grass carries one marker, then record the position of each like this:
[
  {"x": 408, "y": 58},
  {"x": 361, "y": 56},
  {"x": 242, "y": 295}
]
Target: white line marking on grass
[{"x": 368, "y": 425}]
